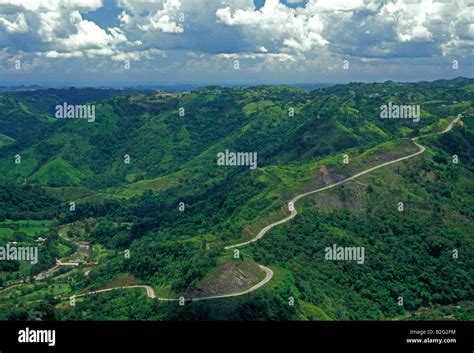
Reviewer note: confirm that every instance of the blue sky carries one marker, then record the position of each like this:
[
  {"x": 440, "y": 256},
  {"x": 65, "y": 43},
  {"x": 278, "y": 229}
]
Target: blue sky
[{"x": 91, "y": 42}]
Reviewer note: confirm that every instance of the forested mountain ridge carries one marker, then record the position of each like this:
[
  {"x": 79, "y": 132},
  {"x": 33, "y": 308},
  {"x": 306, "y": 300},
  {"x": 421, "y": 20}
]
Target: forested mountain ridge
[{"x": 151, "y": 131}]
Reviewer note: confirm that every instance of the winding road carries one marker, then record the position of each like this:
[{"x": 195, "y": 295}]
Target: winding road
[
  {"x": 293, "y": 212},
  {"x": 291, "y": 204},
  {"x": 151, "y": 293}
]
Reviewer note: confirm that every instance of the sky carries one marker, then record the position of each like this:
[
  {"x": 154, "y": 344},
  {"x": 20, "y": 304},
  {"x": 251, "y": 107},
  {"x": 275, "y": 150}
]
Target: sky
[{"x": 142, "y": 42}]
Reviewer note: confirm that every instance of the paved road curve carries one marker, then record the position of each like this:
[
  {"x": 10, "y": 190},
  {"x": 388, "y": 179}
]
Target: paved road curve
[{"x": 149, "y": 291}]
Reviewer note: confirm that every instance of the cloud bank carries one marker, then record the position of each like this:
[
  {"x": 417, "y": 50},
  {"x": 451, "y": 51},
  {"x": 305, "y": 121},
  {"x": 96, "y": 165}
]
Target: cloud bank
[{"x": 172, "y": 36}]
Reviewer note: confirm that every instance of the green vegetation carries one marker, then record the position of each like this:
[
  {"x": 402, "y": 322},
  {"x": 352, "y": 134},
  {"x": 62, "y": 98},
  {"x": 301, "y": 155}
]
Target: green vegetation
[{"x": 164, "y": 219}]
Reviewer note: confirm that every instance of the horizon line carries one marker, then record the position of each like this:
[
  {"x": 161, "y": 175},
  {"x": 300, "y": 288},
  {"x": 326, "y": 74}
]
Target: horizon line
[{"x": 117, "y": 85}]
